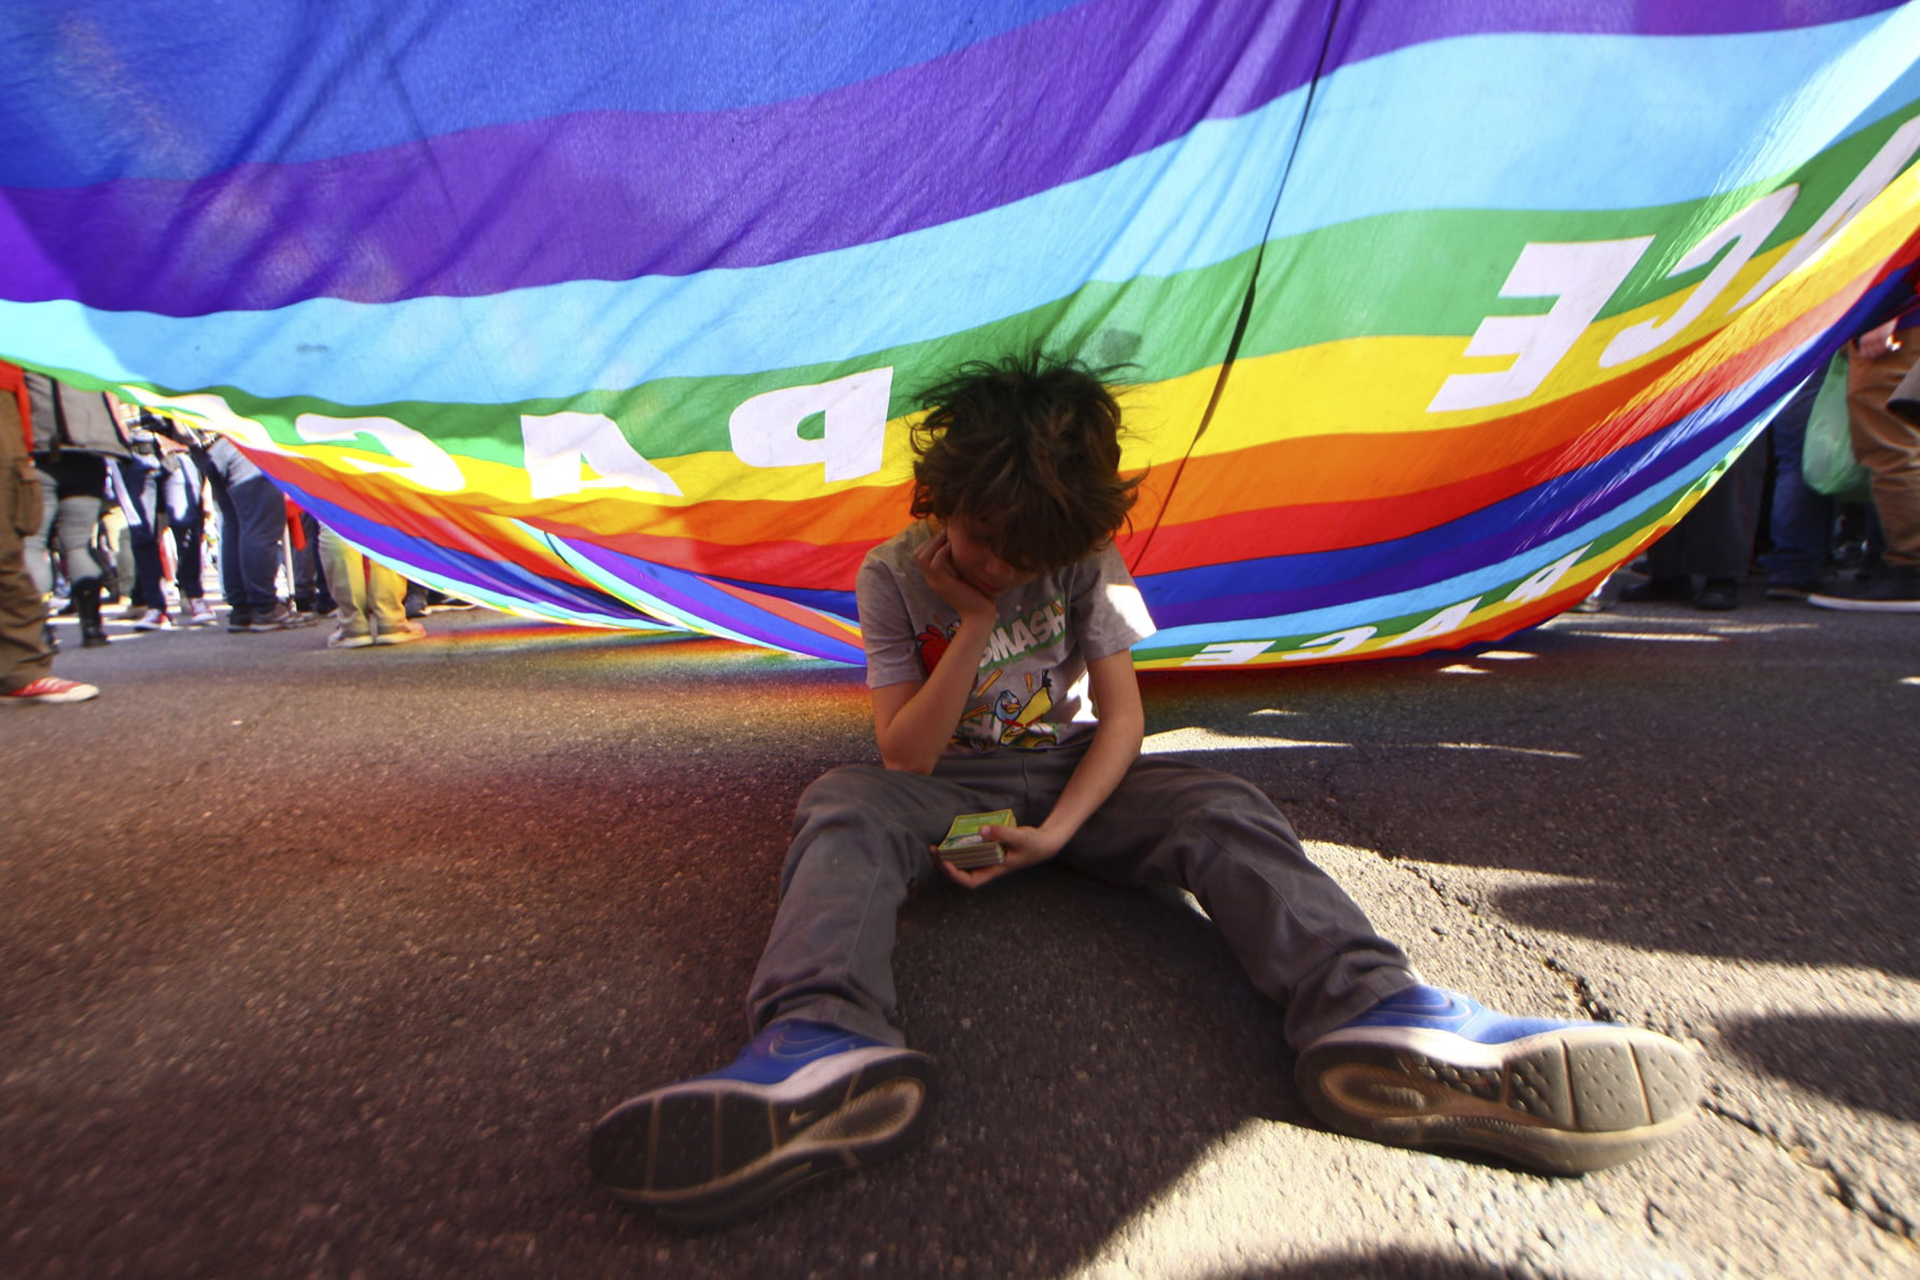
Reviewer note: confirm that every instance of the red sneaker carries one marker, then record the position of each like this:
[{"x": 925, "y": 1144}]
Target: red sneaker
[{"x": 53, "y": 689}]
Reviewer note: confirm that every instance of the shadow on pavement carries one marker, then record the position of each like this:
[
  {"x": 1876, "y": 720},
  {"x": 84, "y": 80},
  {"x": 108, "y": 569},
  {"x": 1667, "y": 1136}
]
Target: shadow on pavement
[
  {"x": 1806, "y": 922},
  {"x": 1863, "y": 1062},
  {"x": 1388, "y": 1264}
]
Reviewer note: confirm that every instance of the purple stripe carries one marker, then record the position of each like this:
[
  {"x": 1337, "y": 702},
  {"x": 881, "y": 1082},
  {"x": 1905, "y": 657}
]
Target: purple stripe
[
  {"x": 1369, "y": 30},
  {"x": 614, "y": 196},
  {"x": 696, "y": 595}
]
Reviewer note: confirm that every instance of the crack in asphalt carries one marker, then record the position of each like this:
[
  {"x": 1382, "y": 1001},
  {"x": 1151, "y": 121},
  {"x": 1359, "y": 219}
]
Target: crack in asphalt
[
  {"x": 1840, "y": 1187},
  {"x": 1595, "y": 1009}
]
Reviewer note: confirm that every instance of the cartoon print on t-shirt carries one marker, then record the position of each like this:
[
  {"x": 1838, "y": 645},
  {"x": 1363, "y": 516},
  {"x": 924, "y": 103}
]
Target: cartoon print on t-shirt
[
  {"x": 1003, "y": 718},
  {"x": 933, "y": 642},
  {"x": 1009, "y": 703},
  {"x": 1017, "y": 727}
]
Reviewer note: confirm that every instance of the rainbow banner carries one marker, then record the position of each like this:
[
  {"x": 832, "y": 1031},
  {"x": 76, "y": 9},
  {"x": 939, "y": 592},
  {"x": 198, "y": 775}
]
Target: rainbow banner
[{"x": 613, "y": 312}]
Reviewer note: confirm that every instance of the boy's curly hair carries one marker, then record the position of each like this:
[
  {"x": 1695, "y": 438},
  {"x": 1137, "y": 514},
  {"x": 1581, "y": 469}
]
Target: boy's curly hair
[{"x": 1027, "y": 450}]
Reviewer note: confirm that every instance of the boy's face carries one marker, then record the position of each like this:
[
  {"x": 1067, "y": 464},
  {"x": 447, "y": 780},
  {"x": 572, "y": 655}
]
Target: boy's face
[{"x": 975, "y": 560}]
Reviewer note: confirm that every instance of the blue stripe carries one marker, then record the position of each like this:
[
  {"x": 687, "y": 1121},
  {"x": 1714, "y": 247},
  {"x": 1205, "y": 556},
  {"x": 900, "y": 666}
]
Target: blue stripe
[
  {"x": 1191, "y": 203},
  {"x": 1575, "y": 123},
  {"x": 174, "y": 105},
  {"x": 182, "y": 96}
]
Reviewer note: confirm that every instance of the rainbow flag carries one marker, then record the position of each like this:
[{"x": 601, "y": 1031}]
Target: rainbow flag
[{"x": 613, "y": 312}]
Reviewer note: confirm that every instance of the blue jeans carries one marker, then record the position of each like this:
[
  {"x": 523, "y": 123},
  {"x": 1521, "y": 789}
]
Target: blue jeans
[
  {"x": 253, "y": 519},
  {"x": 141, "y": 486},
  {"x": 1800, "y": 523},
  {"x": 186, "y": 517}
]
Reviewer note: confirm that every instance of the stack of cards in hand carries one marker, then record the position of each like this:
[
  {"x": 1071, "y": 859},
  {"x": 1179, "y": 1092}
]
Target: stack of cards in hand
[{"x": 965, "y": 849}]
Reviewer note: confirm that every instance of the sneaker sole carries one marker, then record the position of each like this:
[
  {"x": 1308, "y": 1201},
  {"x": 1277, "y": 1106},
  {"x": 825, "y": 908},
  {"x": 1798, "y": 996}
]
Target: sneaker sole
[
  {"x": 1849, "y": 605},
  {"x": 50, "y": 698},
  {"x": 705, "y": 1153},
  {"x": 1563, "y": 1102}
]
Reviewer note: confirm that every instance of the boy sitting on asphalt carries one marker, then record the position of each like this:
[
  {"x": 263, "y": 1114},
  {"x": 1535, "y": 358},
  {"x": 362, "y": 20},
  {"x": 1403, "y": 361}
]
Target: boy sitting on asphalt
[{"x": 997, "y": 629}]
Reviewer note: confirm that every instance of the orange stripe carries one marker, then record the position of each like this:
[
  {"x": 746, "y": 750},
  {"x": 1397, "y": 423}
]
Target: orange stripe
[{"x": 1279, "y": 528}]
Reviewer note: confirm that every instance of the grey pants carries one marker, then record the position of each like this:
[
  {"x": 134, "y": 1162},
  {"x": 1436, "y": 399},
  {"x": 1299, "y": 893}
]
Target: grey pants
[
  {"x": 861, "y": 839},
  {"x": 71, "y": 498}
]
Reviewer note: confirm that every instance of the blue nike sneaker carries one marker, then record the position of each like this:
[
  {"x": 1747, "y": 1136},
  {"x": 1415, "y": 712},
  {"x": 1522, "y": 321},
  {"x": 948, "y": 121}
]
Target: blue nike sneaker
[
  {"x": 802, "y": 1102},
  {"x": 1433, "y": 1069}
]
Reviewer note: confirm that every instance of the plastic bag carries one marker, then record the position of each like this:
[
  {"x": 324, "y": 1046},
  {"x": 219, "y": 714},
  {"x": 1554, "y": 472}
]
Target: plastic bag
[{"x": 1827, "y": 459}]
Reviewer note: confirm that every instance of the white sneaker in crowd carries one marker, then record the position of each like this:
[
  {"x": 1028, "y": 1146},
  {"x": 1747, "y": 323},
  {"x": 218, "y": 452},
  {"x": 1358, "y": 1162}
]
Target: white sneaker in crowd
[{"x": 406, "y": 635}]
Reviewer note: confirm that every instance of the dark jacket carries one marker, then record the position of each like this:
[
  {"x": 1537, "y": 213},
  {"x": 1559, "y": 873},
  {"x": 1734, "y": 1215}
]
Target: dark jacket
[{"x": 65, "y": 417}]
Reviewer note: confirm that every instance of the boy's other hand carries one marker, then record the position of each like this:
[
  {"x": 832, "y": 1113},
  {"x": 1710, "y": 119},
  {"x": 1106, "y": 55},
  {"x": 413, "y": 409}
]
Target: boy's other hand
[
  {"x": 935, "y": 558},
  {"x": 1026, "y": 847}
]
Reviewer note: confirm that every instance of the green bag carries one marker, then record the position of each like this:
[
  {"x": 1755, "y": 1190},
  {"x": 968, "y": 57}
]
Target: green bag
[{"x": 1827, "y": 459}]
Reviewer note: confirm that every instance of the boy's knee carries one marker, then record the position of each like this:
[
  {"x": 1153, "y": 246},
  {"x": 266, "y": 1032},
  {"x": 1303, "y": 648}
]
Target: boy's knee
[
  {"x": 847, "y": 785},
  {"x": 1235, "y": 813},
  {"x": 858, "y": 801},
  {"x": 1191, "y": 791}
]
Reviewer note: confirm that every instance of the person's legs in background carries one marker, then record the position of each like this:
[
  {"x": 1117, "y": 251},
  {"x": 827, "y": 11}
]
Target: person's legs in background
[
  {"x": 186, "y": 517},
  {"x": 1714, "y": 541},
  {"x": 1800, "y": 521},
  {"x": 78, "y": 485},
  {"x": 26, "y": 662},
  {"x": 322, "y": 602},
  {"x": 368, "y": 597},
  {"x": 141, "y": 486},
  {"x": 1888, "y": 446},
  {"x": 309, "y": 568},
  {"x": 354, "y": 628}
]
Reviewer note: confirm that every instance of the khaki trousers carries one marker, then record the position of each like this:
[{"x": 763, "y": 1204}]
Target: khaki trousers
[
  {"x": 369, "y": 597},
  {"x": 23, "y": 610},
  {"x": 1886, "y": 446}
]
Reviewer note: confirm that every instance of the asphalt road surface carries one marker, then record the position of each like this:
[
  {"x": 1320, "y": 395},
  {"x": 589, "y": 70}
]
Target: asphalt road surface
[{"x": 323, "y": 963}]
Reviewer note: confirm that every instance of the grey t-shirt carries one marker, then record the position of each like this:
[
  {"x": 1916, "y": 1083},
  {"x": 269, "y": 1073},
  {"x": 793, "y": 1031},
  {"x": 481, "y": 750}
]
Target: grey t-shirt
[{"x": 1031, "y": 691}]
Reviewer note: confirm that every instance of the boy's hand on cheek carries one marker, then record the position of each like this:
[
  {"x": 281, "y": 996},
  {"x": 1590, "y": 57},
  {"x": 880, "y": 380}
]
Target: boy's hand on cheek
[
  {"x": 1026, "y": 847},
  {"x": 935, "y": 558}
]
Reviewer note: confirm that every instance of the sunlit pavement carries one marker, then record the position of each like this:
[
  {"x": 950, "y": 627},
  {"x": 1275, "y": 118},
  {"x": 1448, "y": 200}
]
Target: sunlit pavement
[{"x": 323, "y": 962}]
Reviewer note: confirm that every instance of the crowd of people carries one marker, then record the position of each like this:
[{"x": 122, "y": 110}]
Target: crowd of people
[{"x": 106, "y": 508}]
